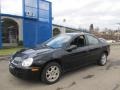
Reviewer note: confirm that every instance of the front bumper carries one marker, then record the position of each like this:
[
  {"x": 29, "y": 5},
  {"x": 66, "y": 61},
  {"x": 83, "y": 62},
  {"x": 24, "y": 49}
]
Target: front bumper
[{"x": 24, "y": 73}]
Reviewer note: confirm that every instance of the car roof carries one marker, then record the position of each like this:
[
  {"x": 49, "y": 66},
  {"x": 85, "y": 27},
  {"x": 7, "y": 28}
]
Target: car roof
[{"x": 74, "y": 34}]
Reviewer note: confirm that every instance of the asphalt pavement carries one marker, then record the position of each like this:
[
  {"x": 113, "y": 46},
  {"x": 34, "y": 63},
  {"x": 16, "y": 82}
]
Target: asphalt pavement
[{"x": 92, "y": 77}]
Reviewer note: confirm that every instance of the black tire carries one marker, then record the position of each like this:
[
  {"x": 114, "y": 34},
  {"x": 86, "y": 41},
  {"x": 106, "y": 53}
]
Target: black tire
[
  {"x": 103, "y": 59},
  {"x": 48, "y": 67}
]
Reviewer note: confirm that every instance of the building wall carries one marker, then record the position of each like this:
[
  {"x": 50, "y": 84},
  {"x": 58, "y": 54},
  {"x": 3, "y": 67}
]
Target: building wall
[
  {"x": 19, "y": 21},
  {"x": 62, "y": 29}
]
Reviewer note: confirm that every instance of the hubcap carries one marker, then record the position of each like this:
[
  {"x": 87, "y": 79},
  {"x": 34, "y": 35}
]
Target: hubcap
[
  {"x": 103, "y": 59},
  {"x": 52, "y": 73}
]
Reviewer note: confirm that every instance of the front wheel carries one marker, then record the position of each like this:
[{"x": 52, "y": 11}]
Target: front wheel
[
  {"x": 103, "y": 60},
  {"x": 51, "y": 73}
]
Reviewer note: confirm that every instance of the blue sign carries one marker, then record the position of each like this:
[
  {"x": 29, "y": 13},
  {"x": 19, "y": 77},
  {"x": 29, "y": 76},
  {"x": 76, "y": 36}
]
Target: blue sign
[
  {"x": 44, "y": 8},
  {"x": 31, "y": 9},
  {"x": 37, "y": 23},
  {"x": 37, "y": 9}
]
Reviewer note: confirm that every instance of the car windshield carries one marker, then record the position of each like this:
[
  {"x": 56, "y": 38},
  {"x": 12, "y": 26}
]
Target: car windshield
[{"x": 58, "y": 42}]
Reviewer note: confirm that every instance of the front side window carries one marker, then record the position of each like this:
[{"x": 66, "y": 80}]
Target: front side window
[
  {"x": 92, "y": 40},
  {"x": 79, "y": 41}
]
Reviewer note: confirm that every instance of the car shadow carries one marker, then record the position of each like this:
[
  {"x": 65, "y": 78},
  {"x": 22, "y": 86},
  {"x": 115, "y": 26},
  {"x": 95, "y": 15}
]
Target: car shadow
[
  {"x": 77, "y": 70},
  {"x": 29, "y": 82},
  {"x": 36, "y": 81}
]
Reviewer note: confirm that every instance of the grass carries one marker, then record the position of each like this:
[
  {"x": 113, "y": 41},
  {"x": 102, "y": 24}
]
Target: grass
[{"x": 9, "y": 51}]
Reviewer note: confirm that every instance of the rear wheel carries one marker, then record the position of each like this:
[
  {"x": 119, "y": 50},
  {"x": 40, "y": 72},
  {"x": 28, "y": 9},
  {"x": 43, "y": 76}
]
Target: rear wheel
[
  {"x": 103, "y": 59},
  {"x": 51, "y": 73}
]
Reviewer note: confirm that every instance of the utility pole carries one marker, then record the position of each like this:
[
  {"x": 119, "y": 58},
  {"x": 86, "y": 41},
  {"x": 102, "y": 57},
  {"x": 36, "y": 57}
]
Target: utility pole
[
  {"x": 64, "y": 29},
  {"x": 118, "y": 32}
]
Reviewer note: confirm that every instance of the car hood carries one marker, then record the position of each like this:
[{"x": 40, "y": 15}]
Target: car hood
[
  {"x": 32, "y": 51},
  {"x": 25, "y": 53}
]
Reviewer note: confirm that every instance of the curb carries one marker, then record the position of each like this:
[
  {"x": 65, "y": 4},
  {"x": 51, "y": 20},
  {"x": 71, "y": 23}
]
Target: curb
[{"x": 4, "y": 57}]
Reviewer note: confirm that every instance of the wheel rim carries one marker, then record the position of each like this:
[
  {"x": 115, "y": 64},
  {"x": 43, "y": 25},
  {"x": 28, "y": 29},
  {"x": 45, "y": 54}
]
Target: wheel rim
[
  {"x": 52, "y": 73},
  {"x": 103, "y": 59}
]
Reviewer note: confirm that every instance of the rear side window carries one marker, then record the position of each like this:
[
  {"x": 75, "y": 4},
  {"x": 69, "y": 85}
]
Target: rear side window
[{"x": 92, "y": 40}]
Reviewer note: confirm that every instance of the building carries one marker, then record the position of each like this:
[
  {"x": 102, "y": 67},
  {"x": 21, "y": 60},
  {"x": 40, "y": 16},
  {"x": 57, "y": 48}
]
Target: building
[
  {"x": 33, "y": 26},
  {"x": 12, "y": 30},
  {"x": 60, "y": 29}
]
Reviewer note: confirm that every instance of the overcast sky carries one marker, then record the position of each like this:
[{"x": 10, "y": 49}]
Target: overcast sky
[{"x": 82, "y": 13}]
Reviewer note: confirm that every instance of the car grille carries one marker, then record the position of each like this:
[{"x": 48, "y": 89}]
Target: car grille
[{"x": 17, "y": 60}]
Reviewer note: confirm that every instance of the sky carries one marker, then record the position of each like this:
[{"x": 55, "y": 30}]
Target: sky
[
  {"x": 81, "y": 13},
  {"x": 11, "y": 7}
]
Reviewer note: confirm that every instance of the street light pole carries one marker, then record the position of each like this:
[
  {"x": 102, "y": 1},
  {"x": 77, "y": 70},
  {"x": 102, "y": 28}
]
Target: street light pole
[
  {"x": 118, "y": 33},
  {"x": 64, "y": 29}
]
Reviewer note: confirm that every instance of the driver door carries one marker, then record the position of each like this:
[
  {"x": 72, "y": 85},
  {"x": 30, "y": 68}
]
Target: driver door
[{"x": 78, "y": 56}]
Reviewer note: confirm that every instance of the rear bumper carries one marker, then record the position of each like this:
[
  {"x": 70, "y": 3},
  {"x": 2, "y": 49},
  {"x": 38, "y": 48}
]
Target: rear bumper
[{"x": 23, "y": 73}]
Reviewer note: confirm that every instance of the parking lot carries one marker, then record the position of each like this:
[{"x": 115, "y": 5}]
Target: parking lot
[{"x": 92, "y": 77}]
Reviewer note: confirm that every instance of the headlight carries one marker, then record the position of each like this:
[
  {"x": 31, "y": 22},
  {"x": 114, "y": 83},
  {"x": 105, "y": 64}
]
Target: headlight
[{"x": 27, "y": 62}]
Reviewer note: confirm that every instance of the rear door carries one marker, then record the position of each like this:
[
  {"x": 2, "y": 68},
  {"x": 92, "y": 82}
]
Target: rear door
[{"x": 94, "y": 48}]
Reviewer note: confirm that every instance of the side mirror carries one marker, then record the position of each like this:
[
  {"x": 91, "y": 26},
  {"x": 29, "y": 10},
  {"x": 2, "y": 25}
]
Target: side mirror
[{"x": 72, "y": 47}]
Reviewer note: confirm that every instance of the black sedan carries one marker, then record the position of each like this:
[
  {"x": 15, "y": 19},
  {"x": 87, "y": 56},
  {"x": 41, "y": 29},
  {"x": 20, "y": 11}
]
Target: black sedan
[{"x": 59, "y": 54}]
